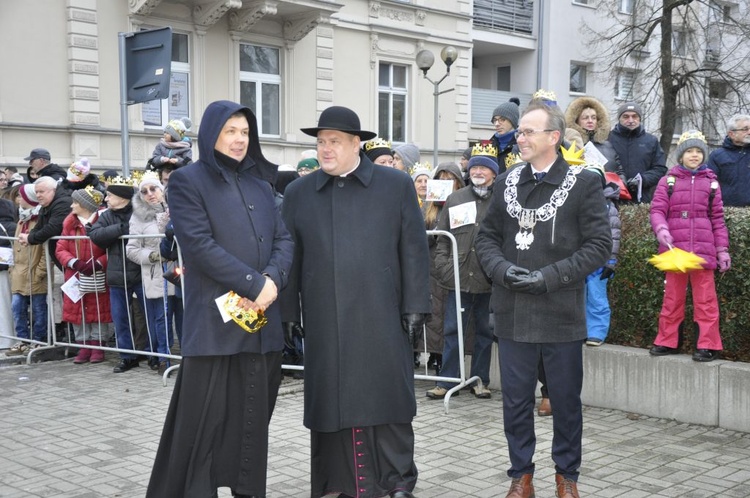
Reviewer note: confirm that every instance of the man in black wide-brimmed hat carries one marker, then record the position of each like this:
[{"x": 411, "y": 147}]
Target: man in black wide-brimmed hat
[{"x": 361, "y": 269}]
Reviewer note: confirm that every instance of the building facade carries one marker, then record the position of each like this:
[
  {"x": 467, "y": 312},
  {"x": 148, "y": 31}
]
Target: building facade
[{"x": 289, "y": 60}]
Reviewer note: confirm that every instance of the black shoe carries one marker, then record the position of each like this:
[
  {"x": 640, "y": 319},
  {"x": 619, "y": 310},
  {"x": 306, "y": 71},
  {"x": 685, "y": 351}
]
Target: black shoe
[
  {"x": 153, "y": 363},
  {"x": 125, "y": 365},
  {"x": 663, "y": 351},
  {"x": 401, "y": 494},
  {"x": 705, "y": 355},
  {"x": 162, "y": 367}
]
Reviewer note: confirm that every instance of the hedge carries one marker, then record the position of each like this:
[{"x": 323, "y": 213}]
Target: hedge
[{"x": 636, "y": 291}]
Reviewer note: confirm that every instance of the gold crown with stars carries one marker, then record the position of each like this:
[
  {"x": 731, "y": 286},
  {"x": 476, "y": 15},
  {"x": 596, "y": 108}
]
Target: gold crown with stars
[
  {"x": 484, "y": 150},
  {"x": 377, "y": 143},
  {"x": 572, "y": 156}
]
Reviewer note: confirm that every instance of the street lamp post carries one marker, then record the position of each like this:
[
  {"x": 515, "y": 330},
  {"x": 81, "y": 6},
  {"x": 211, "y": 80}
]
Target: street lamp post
[{"x": 425, "y": 60}]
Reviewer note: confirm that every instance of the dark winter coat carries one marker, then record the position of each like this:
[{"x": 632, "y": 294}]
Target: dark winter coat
[
  {"x": 89, "y": 180},
  {"x": 106, "y": 232},
  {"x": 612, "y": 196},
  {"x": 506, "y": 156},
  {"x": 731, "y": 163},
  {"x": 93, "y": 307},
  {"x": 566, "y": 248},
  {"x": 230, "y": 234},
  {"x": 599, "y": 136},
  {"x": 181, "y": 150},
  {"x": 686, "y": 213},
  {"x": 471, "y": 275},
  {"x": 54, "y": 171},
  {"x": 361, "y": 262},
  {"x": 7, "y": 225},
  {"x": 639, "y": 153},
  {"x": 50, "y": 222}
]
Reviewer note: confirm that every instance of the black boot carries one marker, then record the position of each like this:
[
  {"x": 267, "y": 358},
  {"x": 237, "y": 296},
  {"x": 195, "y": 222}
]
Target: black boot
[{"x": 125, "y": 365}]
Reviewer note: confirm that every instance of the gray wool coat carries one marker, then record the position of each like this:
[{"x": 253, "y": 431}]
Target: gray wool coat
[
  {"x": 360, "y": 262},
  {"x": 566, "y": 249}
]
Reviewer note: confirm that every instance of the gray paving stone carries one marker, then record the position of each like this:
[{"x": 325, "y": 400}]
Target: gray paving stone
[{"x": 82, "y": 431}]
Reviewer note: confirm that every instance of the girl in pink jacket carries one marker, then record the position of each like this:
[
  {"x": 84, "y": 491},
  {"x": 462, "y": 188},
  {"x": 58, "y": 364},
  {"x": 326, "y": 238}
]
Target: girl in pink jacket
[{"x": 687, "y": 212}]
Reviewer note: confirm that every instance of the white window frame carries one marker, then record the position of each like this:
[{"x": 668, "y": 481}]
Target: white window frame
[
  {"x": 177, "y": 105},
  {"x": 391, "y": 90},
  {"x": 261, "y": 79},
  {"x": 580, "y": 66},
  {"x": 622, "y": 82},
  {"x": 679, "y": 43}
]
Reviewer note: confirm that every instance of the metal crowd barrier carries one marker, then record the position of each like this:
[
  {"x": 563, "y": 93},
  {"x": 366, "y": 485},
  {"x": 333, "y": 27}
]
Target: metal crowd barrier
[
  {"x": 53, "y": 341},
  {"x": 461, "y": 380}
]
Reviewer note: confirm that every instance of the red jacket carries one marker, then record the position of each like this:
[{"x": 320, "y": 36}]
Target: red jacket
[
  {"x": 686, "y": 213},
  {"x": 96, "y": 306}
]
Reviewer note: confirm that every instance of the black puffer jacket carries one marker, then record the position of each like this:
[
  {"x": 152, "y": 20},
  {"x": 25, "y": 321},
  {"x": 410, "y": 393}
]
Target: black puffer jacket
[{"x": 106, "y": 233}]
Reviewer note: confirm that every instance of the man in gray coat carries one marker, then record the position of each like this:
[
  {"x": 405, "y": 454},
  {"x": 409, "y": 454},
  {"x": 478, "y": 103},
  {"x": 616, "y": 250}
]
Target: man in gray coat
[
  {"x": 361, "y": 273},
  {"x": 544, "y": 233}
]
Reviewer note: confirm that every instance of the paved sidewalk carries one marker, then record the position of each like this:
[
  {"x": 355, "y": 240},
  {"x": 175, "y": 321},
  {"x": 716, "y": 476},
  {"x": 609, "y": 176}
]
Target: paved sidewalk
[{"x": 81, "y": 431}]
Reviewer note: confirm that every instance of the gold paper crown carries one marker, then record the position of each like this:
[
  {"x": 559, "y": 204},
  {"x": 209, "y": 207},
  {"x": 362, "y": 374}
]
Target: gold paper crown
[
  {"x": 484, "y": 150},
  {"x": 377, "y": 143},
  {"x": 543, "y": 94},
  {"x": 97, "y": 196},
  {"x": 249, "y": 320},
  {"x": 425, "y": 166},
  {"x": 572, "y": 156},
  {"x": 116, "y": 180},
  {"x": 691, "y": 135}
]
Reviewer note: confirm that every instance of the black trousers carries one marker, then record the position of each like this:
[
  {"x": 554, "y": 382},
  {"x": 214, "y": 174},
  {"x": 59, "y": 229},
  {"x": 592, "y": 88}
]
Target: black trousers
[{"x": 563, "y": 363}]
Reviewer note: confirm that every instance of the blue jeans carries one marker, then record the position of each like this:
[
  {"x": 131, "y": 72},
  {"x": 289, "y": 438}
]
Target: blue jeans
[
  {"x": 598, "y": 312},
  {"x": 156, "y": 318},
  {"x": 20, "y": 305},
  {"x": 477, "y": 305},
  {"x": 119, "y": 301},
  {"x": 174, "y": 314}
]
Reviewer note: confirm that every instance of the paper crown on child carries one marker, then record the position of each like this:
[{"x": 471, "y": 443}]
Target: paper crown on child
[
  {"x": 572, "y": 155},
  {"x": 79, "y": 170},
  {"x": 487, "y": 149}
]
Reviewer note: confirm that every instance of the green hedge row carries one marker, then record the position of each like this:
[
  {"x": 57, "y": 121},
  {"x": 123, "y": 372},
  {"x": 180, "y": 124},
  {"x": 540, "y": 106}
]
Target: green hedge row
[{"x": 636, "y": 291}]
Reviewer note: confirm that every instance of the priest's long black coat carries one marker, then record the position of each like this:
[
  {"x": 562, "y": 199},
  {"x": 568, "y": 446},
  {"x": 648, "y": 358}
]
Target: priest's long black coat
[{"x": 361, "y": 261}]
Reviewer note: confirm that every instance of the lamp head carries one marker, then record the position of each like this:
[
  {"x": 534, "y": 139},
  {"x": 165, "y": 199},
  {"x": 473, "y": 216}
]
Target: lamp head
[
  {"x": 425, "y": 60},
  {"x": 449, "y": 55}
]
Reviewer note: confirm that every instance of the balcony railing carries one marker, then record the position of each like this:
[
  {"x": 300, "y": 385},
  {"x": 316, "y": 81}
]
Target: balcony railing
[{"x": 504, "y": 15}]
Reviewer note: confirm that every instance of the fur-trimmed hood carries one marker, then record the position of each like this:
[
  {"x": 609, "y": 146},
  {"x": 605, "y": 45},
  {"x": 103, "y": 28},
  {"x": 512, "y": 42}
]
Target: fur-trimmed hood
[
  {"x": 601, "y": 133},
  {"x": 144, "y": 211}
]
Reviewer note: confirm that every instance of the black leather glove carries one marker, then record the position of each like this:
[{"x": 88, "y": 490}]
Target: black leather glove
[
  {"x": 413, "y": 325},
  {"x": 533, "y": 283},
  {"x": 514, "y": 274},
  {"x": 633, "y": 184},
  {"x": 292, "y": 331},
  {"x": 607, "y": 272}
]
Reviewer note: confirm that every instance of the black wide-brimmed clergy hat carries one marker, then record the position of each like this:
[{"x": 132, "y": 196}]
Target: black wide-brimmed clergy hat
[{"x": 339, "y": 119}]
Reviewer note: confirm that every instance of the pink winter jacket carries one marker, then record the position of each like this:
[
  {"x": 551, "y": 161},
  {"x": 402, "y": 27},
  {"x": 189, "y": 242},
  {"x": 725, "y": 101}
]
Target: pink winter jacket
[{"x": 685, "y": 213}]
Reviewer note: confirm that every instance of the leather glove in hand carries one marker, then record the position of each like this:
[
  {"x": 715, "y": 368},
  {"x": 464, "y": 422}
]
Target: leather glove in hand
[
  {"x": 83, "y": 267},
  {"x": 725, "y": 262},
  {"x": 633, "y": 184},
  {"x": 292, "y": 331},
  {"x": 413, "y": 324},
  {"x": 664, "y": 237},
  {"x": 533, "y": 283},
  {"x": 513, "y": 275},
  {"x": 609, "y": 270}
]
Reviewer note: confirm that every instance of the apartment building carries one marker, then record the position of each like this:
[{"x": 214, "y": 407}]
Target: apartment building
[{"x": 290, "y": 59}]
